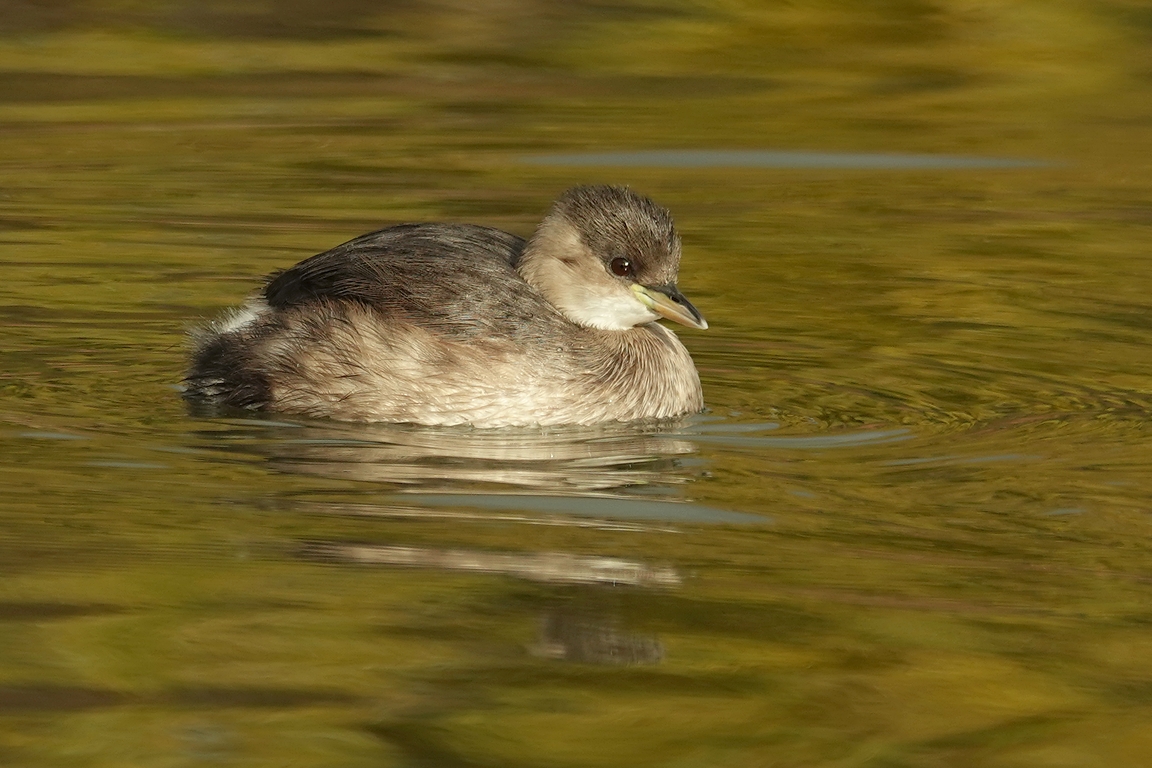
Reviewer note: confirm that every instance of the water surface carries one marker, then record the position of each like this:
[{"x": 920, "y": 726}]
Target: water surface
[{"x": 912, "y": 528}]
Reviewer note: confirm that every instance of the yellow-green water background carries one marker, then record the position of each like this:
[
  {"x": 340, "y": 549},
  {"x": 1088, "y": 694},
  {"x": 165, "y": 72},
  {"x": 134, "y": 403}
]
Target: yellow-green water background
[{"x": 913, "y": 530}]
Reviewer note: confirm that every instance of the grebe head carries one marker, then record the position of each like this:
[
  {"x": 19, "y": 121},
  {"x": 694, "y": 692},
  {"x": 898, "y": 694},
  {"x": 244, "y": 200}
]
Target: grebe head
[{"x": 608, "y": 258}]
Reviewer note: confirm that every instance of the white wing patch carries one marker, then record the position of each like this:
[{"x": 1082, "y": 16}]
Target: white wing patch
[{"x": 241, "y": 317}]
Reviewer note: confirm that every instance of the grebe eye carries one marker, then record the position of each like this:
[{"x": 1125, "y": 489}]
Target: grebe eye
[{"x": 621, "y": 267}]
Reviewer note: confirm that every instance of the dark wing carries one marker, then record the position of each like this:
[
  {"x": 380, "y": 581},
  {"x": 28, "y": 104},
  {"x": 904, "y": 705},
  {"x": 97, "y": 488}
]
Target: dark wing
[
  {"x": 370, "y": 268},
  {"x": 457, "y": 279}
]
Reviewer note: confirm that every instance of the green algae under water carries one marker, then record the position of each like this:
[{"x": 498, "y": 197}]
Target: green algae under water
[{"x": 912, "y": 529}]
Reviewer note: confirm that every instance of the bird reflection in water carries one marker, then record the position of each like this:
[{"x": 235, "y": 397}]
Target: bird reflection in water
[
  {"x": 625, "y": 478},
  {"x": 590, "y": 638},
  {"x": 575, "y": 631},
  {"x": 565, "y": 461}
]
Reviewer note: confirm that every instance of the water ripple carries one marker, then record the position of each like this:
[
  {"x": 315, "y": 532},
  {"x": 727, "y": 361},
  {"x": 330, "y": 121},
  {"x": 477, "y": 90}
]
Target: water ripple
[{"x": 753, "y": 158}]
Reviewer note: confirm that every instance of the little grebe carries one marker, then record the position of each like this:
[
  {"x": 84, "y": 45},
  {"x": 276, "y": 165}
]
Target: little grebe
[{"x": 457, "y": 323}]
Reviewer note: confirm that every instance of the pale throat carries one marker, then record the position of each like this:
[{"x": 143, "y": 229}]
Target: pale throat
[{"x": 608, "y": 311}]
